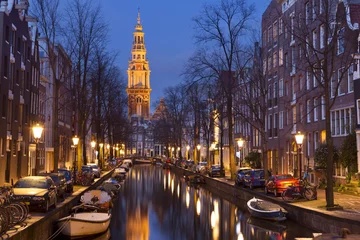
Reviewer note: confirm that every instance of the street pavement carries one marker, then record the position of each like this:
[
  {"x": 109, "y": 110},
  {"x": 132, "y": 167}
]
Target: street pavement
[{"x": 349, "y": 203}]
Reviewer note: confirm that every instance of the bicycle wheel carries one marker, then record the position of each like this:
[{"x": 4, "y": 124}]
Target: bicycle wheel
[
  {"x": 287, "y": 195},
  {"x": 308, "y": 193},
  {"x": 15, "y": 212},
  {"x": 24, "y": 210}
]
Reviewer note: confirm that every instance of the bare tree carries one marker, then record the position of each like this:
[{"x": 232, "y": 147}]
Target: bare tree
[
  {"x": 85, "y": 32},
  {"x": 219, "y": 30},
  {"x": 48, "y": 13}
]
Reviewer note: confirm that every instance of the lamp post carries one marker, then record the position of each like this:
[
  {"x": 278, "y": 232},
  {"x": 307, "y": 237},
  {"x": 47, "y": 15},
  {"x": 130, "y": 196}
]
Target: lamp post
[
  {"x": 240, "y": 143},
  {"x": 75, "y": 140},
  {"x": 37, "y": 131},
  {"x": 108, "y": 150},
  {"x": 178, "y": 152},
  {"x": 93, "y": 144},
  {"x": 101, "y": 154},
  {"x": 187, "y": 151},
  {"x": 299, "y": 140},
  {"x": 169, "y": 148},
  {"x": 198, "y": 148}
]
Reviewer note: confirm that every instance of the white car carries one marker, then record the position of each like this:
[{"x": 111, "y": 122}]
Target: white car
[{"x": 200, "y": 166}]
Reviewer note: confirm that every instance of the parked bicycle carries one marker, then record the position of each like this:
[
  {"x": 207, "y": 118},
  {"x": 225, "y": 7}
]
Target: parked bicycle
[
  {"x": 12, "y": 212},
  {"x": 302, "y": 190}
]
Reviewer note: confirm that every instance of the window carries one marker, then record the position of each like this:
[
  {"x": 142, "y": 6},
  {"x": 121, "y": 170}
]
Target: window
[
  {"x": 314, "y": 36},
  {"x": 275, "y": 94},
  {"x": 275, "y": 32},
  {"x": 314, "y": 10},
  {"x": 270, "y": 123},
  {"x": 293, "y": 62},
  {"x": 300, "y": 51},
  {"x": 292, "y": 22},
  {"x": 281, "y": 25},
  {"x": 322, "y": 75},
  {"x": 333, "y": 85},
  {"x": 308, "y": 144},
  {"x": 281, "y": 120},
  {"x": 316, "y": 140},
  {"x": 314, "y": 76},
  {"x": 264, "y": 66},
  {"x": 321, "y": 7},
  {"x": 294, "y": 115},
  {"x": 307, "y": 42},
  {"x": 13, "y": 41},
  {"x": 301, "y": 111},
  {"x": 307, "y": 12},
  {"x": 286, "y": 89},
  {"x": 341, "y": 121},
  {"x": 3, "y": 114},
  {"x": 269, "y": 34},
  {"x": 7, "y": 34},
  {"x": 269, "y": 93},
  {"x": 342, "y": 84},
  {"x": 6, "y": 66},
  {"x": 276, "y": 125},
  {"x": 286, "y": 59},
  {"x": 340, "y": 41},
  {"x": 351, "y": 78},
  {"x": 281, "y": 87},
  {"x": 308, "y": 110},
  {"x": 269, "y": 62},
  {"x": 322, "y": 36},
  {"x": 358, "y": 111},
  {"x": 275, "y": 60},
  {"x": 316, "y": 109},
  {"x": 308, "y": 79},
  {"x": 281, "y": 55},
  {"x": 264, "y": 38},
  {"x": 323, "y": 116}
]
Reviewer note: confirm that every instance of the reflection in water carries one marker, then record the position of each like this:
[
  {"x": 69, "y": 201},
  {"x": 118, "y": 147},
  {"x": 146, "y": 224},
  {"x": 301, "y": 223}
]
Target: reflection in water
[{"x": 147, "y": 208}]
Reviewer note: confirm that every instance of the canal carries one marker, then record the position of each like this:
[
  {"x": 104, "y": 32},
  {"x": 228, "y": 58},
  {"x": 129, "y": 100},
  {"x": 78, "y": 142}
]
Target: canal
[{"x": 156, "y": 204}]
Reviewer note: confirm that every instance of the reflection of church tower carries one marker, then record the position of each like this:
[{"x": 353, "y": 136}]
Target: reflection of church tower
[{"x": 138, "y": 89}]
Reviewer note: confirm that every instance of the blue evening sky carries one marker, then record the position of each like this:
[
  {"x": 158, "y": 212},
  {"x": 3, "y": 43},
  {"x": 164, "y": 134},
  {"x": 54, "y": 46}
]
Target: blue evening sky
[{"x": 168, "y": 31}]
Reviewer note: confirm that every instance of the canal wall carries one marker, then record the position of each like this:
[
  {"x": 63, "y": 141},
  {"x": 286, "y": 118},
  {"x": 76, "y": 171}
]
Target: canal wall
[
  {"x": 45, "y": 226},
  {"x": 319, "y": 221}
]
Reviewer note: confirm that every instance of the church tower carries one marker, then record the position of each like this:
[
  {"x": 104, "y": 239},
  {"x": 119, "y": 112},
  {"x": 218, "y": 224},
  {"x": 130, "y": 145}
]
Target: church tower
[{"x": 138, "y": 89}]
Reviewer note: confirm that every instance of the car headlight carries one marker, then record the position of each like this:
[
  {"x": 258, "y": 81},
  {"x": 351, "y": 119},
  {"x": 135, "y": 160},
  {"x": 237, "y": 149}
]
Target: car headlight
[{"x": 38, "y": 198}]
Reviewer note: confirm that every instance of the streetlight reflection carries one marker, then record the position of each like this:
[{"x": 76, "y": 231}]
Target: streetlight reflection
[
  {"x": 187, "y": 198},
  {"x": 198, "y": 207}
]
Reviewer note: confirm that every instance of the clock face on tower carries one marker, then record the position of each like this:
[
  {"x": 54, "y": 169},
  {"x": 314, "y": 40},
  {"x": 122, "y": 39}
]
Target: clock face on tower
[{"x": 138, "y": 89}]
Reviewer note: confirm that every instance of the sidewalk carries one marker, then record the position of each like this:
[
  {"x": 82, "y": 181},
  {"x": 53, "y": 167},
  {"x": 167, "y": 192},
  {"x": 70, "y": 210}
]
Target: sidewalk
[{"x": 350, "y": 203}]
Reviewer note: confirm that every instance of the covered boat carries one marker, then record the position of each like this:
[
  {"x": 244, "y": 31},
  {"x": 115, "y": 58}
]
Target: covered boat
[
  {"x": 266, "y": 210},
  {"x": 98, "y": 198},
  {"x": 84, "y": 224}
]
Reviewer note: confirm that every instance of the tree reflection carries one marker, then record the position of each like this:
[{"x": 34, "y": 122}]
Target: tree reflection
[{"x": 156, "y": 204}]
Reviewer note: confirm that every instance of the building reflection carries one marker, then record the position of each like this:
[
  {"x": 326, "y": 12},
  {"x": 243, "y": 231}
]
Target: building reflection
[{"x": 156, "y": 204}]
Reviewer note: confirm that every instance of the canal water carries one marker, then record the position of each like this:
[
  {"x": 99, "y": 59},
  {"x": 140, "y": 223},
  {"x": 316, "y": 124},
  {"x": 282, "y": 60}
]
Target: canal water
[{"x": 156, "y": 204}]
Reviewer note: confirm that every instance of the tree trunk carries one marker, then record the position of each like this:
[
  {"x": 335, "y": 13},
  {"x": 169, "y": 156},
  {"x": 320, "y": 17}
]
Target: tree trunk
[
  {"x": 330, "y": 163},
  {"x": 56, "y": 123},
  {"x": 230, "y": 135}
]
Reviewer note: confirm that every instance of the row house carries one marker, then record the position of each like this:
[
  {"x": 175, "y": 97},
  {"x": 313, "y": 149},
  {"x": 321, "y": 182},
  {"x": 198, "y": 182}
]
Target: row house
[
  {"x": 293, "y": 45},
  {"x": 62, "y": 74},
  {"x": 19, "y": 91}
]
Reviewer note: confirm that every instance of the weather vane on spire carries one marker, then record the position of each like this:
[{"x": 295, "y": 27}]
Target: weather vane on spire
[{"x": 138, "y": 18}]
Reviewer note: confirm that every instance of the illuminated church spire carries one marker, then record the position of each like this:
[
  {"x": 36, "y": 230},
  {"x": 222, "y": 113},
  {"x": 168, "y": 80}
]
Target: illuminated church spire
[{"x": 138, "y": 89}]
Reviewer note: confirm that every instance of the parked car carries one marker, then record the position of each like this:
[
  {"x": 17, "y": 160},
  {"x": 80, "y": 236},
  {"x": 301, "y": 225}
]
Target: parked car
[
  {"x": 239, "y": 175},
  {"x": 201, "y": 165},
  {"x": 69, "y": 179},
  {"x": 96, "y": 169},
  {"x": 254, "y": 178},
  {"x": 36, "y": 191},
  {"x": 88, "y": 170},
  {"x": 60, "y": 183},
  {"x": 188, "y": 164},
  {"x": 278, "y": 183},
  {"x": 216, "y": 170}
]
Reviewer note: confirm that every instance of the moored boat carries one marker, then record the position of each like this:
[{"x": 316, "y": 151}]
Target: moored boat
[
  {"x": 84, "y": 224},
  {"x": 266, "y": 210}
]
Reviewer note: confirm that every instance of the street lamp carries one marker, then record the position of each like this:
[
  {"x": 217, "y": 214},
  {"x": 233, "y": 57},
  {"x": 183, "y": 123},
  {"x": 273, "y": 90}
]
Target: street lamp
[
  {"x": 101, "y": 145},
  {"x": 93, "y": 144},
  {"x": 198, "y": 148},
  {"x": 187, "y": 149},
  {"x": 75, "y": 140},
  {"x": 299, "y": 141},
  {"x": 240, "y": 143},
  {"x": 178, "y": 152},
  {"x": 37, "y": 131}
]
